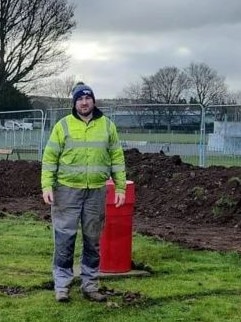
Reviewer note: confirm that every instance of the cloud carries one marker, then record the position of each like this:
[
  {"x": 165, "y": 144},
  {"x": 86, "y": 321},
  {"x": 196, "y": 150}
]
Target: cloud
[
  {"x": 115, "y": 43},
  {"x": 141, "y": 16}
]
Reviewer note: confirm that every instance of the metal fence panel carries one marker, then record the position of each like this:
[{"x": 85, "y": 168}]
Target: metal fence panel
[
  {"x": 224, "y": 143},
  {"x": 22, "y": 134},
  {"x": 202, "y": 136}
]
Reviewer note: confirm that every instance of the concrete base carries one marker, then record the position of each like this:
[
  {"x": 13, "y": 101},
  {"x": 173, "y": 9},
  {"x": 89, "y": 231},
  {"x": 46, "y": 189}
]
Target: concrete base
[
  {"x": 133, "y": 272},
  {"x": 130, "y": 273}
]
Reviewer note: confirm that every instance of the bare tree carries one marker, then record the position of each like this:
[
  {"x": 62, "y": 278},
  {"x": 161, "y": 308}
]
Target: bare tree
[
  {"x": 167, "y": 86},
  {"x": 169, "y": 83},
  {"x": 32, "y": 33},
  {"x": 60, "y": 89},
  {"x": 132, "y": 103},
  {"x": 148, "y": 90},
  {"x": 229, "y": 110},
  {"x": 207, "y": 86},
  {"x": 133, "y": 92},
  {"x": 234, "y": 98}
]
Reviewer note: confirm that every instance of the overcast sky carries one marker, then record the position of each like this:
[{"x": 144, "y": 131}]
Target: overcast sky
[{"x": 117, "y": 42}]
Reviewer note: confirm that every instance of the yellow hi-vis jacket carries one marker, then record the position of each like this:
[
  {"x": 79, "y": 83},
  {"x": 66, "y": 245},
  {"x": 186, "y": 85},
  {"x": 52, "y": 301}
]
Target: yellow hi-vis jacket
[{"x": 81, "y": 155}]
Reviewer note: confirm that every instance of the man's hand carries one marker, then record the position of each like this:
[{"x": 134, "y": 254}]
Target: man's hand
[
  {"x": 48, "y": 197},
  {"x": 119, "y": 199}
]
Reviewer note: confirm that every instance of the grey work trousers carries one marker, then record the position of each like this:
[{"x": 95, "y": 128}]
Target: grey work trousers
[{"x": 71, "y": 208}]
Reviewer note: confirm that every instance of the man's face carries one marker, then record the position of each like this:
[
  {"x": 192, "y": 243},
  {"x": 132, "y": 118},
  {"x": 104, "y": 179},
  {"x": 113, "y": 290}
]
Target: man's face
[{"x": 84, "y": 105}]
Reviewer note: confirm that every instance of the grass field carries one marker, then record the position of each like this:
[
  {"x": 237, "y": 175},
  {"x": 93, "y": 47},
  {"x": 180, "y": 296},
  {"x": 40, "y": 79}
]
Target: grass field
[
  {"x": 162, "y": 137},
  {"x": 185, "y": 285}
]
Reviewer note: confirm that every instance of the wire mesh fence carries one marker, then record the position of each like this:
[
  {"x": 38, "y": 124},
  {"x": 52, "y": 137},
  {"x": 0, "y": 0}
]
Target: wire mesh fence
[
  {"x": 202, "y": 136},
  {"x": 22, "y": 134}
]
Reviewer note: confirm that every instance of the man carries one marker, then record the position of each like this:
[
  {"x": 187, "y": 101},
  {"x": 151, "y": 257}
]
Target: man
[{"x": 83, "y": 151}]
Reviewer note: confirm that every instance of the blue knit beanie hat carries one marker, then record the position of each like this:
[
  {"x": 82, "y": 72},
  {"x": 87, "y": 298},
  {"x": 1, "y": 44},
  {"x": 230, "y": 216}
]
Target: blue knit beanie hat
[{"x": 81, "y": 89}]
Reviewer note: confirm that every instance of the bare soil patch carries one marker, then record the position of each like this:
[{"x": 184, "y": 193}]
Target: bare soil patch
[{"x": 196, "y": 207}]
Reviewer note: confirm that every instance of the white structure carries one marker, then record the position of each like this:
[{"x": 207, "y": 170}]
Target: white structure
[
  {"x": 226, "y": 138},
  {"x": 16, "y": 125}
]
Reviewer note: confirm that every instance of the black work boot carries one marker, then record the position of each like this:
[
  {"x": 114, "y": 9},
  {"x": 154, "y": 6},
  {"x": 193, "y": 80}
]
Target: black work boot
[{"x": 95, "y": 296}]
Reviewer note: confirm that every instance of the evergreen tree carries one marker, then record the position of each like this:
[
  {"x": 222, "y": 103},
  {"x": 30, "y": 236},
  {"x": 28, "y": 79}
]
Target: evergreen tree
[{"x": 11, "y": 99}]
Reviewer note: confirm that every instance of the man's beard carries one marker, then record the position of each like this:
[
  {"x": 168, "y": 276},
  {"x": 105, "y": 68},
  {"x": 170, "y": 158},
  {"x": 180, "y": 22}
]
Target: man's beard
[{"x": 85, "y": 114}]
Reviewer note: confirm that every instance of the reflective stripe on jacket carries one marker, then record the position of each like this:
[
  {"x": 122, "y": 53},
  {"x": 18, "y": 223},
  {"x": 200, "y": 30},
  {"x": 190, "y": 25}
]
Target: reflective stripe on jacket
[{"x": 82, "y": 155}]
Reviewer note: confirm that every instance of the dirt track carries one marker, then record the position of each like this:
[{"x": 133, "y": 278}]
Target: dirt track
[{"x": 196, "y": 207}]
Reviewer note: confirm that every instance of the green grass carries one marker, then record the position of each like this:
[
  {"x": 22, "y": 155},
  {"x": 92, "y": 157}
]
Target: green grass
[
  {"x": 162, "y": 137},
  {"x": 224, "y": 160},
  {"x": 185, "y": 285}
]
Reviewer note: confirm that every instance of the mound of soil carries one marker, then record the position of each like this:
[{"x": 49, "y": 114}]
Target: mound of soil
[{"x": 196, "y": 207}]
